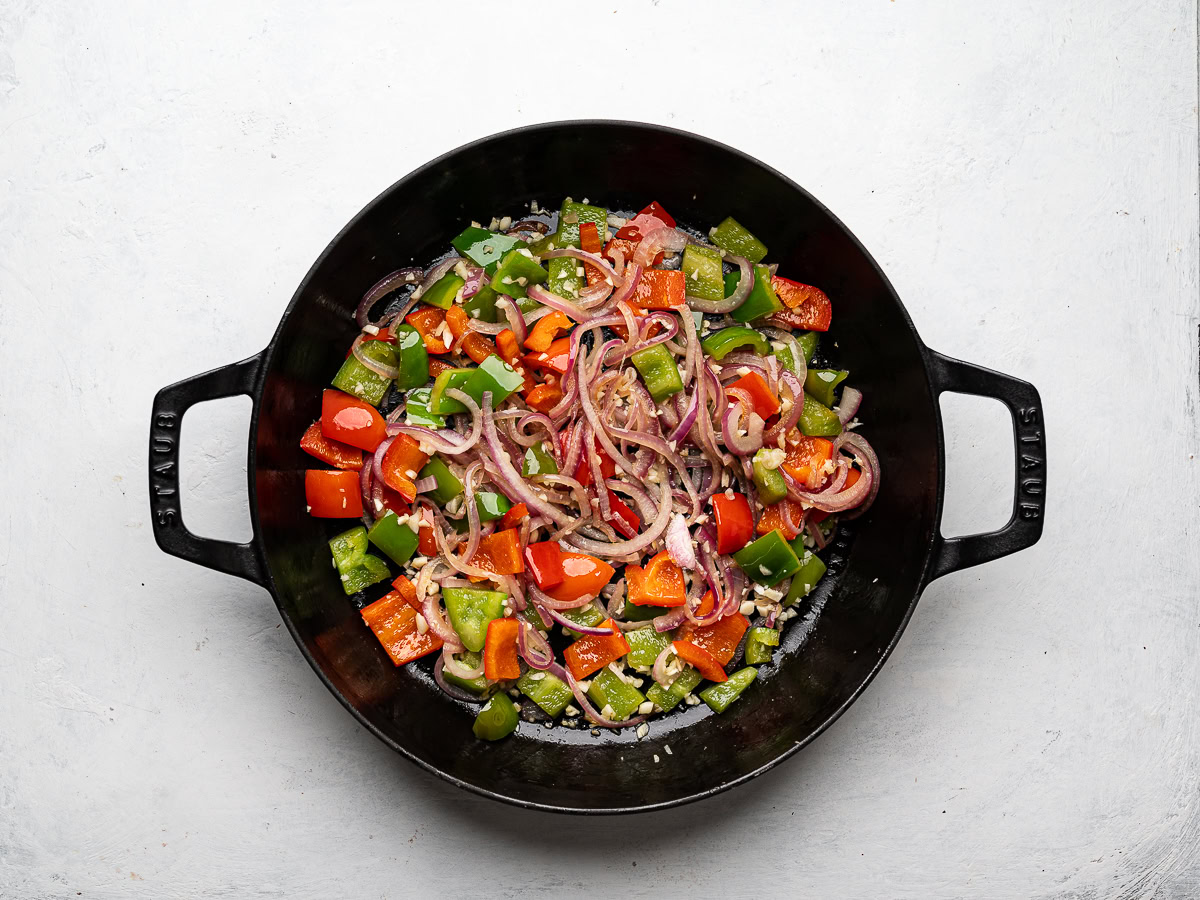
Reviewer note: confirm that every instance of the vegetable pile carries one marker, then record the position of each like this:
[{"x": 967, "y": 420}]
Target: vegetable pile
[{"x": 597, "y": 424}]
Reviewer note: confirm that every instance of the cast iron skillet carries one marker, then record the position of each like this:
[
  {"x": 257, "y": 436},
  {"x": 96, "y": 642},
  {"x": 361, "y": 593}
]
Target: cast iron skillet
[{"x": 847, "y": 630}]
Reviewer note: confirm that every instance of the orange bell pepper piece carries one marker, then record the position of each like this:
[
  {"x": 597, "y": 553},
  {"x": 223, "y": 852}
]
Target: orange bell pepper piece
[
  {"x": 401, "y": 463},
  {"x": 660, "y": 583},
  {"x": 428, "y": 321},
  {"x": 582, "y": 574},
  {"x": 333, "y": 452},
  {"x": 515, "y": 516},
  {"x": 332, "y": 494},
  {"x": 553, "y": 358},
  {"x": 660, "y": 289},
  {"x": 426, "y": 542},
  {"x": 500, "y": 553},
  {"x": 500, "y": 662},
  {"x": 720, "y": 639},
  {"x": 593, "y": 652},
  {"x": 766, "y": 404},
  {"x": 806, "y": 455},
  {"x": 474, "y": 344},
  {"x": 395, "y": 625},
  {"x": 735, "y": 522},
  {"x": 544, "y": 397},
  {"x": 701, "y": 659},
  {"x": 509, "y": 350},
  {"x": 546, "y": 329},
  {"x": 407, "y": 591},
  {"x": 589, "y": 242},
  {"x": 808, "y": 308},
  {"x": 438, "y": 366},
  {"x": 772, "y": 518}
]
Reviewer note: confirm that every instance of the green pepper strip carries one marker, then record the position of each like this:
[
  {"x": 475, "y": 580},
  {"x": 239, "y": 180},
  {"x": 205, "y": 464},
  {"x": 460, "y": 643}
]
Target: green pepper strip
[
  {"x": 516, "y": 272},
  {"x": 356, "y": 568},
  {"x": 416, "y": 409},
  {"x": 481, "y": 305},
  {"x": 470, "y": 610},
  {"x": 448, "y": 485},
  {"x": 659, "y": 371},
  {"x": 546, "y": 690},
  {"x": 771, "y": 486},
  {"x": 721, "y": 343},
  {"x": 497, "y": 719},
  {"x": 413, "y": 365},
  {"x": 719, "y": 696},
  {"x": 702, "y": 273},
  {"x": 609, "y": 690},
  {"x": 759, "y": 643},
  {"x": 821, "y": 383},
  {"x": 397, "y": 541},
  {"x": 762, "y": 300},
  {"x": 817, "y": 419},
  {"x": 442, "y": 293},
  {"x": 538, "y": 462},
  {"x": 495, "y": 375},
  {"x": 731, "y": 235},
  {"x": 483, "y": 247},
  {"x": 768, "y": 560},
  {"x": 439, "y": 403},
  {"x": 366, "y": 384},
  {"x": 812, "y": 568},
  {"x": 667, "y": 698}
]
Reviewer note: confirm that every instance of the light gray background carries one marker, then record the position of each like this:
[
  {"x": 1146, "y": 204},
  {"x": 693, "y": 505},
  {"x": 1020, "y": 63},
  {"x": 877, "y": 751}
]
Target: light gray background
[{"x": 1026, "y": 173}]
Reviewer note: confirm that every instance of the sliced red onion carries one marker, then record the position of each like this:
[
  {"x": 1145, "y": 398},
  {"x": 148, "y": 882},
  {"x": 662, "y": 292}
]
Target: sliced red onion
[
  {"x": 830, "y": 501},
  {"x": 581, "y": 698},
  {"x": 633, "y": 545},
  {"x": 871, "y": 467},
  {"x": 562, "y": 304},
  {"x": 656, "y": 241},
  {"x": 680, "y": 431},
  {"x": 814, "y": 532},
  {"x": 379, "y": 368},
  {"x": 365, "y": 479},
  {"x": 660, "y": 666},
  {"x": 679, "y": 543},
  {"x": 633, "y": 274},
  {"x": 437, "y": 439},
  {"x": 545, "y": 601},
  {"x": 476, "y": 278},
  {"x": 595, "y": 259},
  {"x": 381, "y": 289},
  {"x": 457, "y": 667},
  {"x": 426, "y": 484},
  {"x": 530, "y": 225},
  {"x": 436, "y": 274},
  {"x": 737, "y": 298},
  {"x": 741, "y": 444},
  {"x": 848, "y": 408},
  {"x": 787, "y": 421},
  {"x": 431, "y": 609},
  {"x": 533, "y": 647},
  {"x": 508, "y": 478},
  {"x": 670, "y": 620},
  {"x": 575, "y": 626},
  {"x": 516, "y": 321},
  {"x": 451, "y": 690}
]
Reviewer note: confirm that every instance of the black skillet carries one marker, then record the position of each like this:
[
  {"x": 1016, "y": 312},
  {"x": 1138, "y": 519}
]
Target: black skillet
[{"x": 848, "y": 627}]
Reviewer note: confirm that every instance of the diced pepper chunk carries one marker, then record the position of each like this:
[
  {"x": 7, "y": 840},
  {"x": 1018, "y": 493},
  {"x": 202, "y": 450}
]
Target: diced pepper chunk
[
  {"x": 351, "y": 421},
  {"x": 500, "y": 661},
  {"x": 429, "y": 322},
  {"x": 593, "y": 652},
  {"x": 470, "y": 611},
  {"x": 700, "y": 658},
  {"x": 659, "y": 371},
  {"x": 721, "y": 343},
  {"x": 759, "y": 644},
  {"x": 545, "y": 562},
  {"x": 719, "y": 696},
  {"x": 546, "y": 690},
  {"x": 766, "y": 404},
  {"x": 660, "y": 289},
  {"x": 397, "y": 541},
  {"x": 761, "y": 300},
  {"x": 768, "y": 560},
  {"x": 720, "y": 638},
  {"x": 701, "y": 268},
  {"x": 401, "y": 462},
  {"x": 395, "y": 625},
  {"x": 731, "y": 235},
  {"x": 365, "y": 383},
  {"x": 333, "y": 452},
  {"x": 735, "y": 522},
  {"x": 500, "y": 553},
  {"x": 332, "y": 494},
  {"x": 667, "y": 698},
  {"x": 498, "y": 719},
  {"x": 582, "y": 574},
  {"x": 660, "y": 583},
  {"x": 807, "y": 306},
  {"x": 608, "y": 690},
  {"x": 812, "y": 569}
]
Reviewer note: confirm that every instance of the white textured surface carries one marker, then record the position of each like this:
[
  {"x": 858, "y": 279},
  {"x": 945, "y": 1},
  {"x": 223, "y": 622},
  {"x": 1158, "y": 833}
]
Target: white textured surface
[{"x": 1026, "y": 173}]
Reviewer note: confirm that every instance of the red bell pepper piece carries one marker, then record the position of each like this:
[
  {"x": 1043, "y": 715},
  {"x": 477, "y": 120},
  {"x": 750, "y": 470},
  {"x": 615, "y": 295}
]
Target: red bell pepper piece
[
  {"x": 582, "y": 574},
  {"x": 701, "y": 659},
  {"x": 515, "y": 516},
  {"x": 808, "y": 308},
  {"x": 623, "y": 519},
  {"x": 660, "y": 289},
  {"x": 500, "y": 553},
  {"x": 720, "y": 639},
  {"x": 649, "y": 219},
  {"x": 428, "y": 320},
  {"x": 589, "y": 242},
  {"x": 426, "y": 542},
  {"x": 735, "y": 522},
  {"x": 819, "y": 515},
  {"x": 593, "y": 652},
  {"x": 707, "y": 602},
  {"x": 351, "y": 421},
  {"x": 438, "y": 366},
  {"x": 401, "y": 463},
  {"x": 546, "y": 329},
  {"x": 544, "y": 397},
  {"x": 407, "y": 591},
  {"x": 332, "y": 494},
  {"x": 395, "y": 625},
  {"x": 393, "y": 501},
  {"x": 474, "y": 344},
  {"x": 773, "y": 518},
  {"x": 660, "y": 583},
  {"x": 500, "y": 662},
  {"x": 509, "y": 350},
  {"x": 545, "y": 562},
  {"x": 335, "y": 453},
  {"x": 553, "y": 358},
  {"x": 766, "y": 404}
]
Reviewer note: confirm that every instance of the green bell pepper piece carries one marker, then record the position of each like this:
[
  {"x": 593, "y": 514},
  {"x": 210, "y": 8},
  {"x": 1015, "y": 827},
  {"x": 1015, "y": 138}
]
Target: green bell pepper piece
[
  {"x": 497, "y": 719},
  {"x": 609, "y": 690},
  {"x": 442, "y": 292},
  {"x": 817, "y": 419},
  {"x": 702, "y": 273},
  {"x": 762, "y": 300},
  {"x": 356, "y": 568},
  {"x": 768, "y": 560},
  {"x": 771, "y": 486},
  {"x": 759, "y": 643},
  {"x": 489, "y": 505},
  {"x": 731, "y": 235},
  {"x": 470, "y": 611},
  {"x": 659, "y": 371},
  {"x": 667, "y": 698},
  {"x": 719, "y": 696},
  {"x": 355, "y": 378},
  {"x": 416, "y": 409},
  {"x": 516, "y": 272},
  {"x": 721, "y": 343},
  {"x": 483, "y": 247},
  {"x": 545, "y": 244},
  {"x": 808, "y": 343},
  {"x": 538, "y": 462},
  {"x": 812, "y": 568},
  {"x": 448, "y": 485},
  {"x": 584, "y": 615},
  {"x": 397, "y": 541},
  {"x": 439, "y": 403},
  {"x": 413, "y": 365},
  {"x": 821, "y": 383},
  {"x": 564, "y": 271},
  {"x": 644, "y": 646},
  {"x": 481, "y": 305},
  {"x": 476, "y": 685},
  {"x": 634, "y": 613},
  {"x": 495, "y": 375},
  {"x": 546, "y": 690}
]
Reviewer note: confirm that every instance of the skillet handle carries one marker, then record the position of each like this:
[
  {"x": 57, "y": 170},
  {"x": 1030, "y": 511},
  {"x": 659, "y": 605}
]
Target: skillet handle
[
  {"x": 1029, "y": 503},
  {"x": 169, "y": 531}
]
